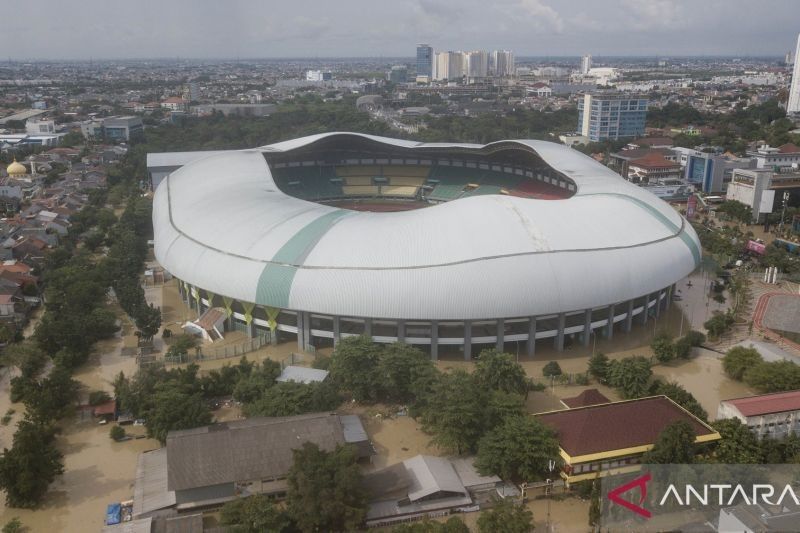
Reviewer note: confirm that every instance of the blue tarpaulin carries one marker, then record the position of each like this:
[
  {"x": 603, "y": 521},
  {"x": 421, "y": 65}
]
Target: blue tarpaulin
[{"x": 113, "y": 514}]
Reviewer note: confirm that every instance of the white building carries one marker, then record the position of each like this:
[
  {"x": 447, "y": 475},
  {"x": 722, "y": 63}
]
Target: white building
[
  {"x": 751, "y": 187},
  {"x": 317, "y": 75},
  {"x": 586, "y": 64},
  {"x": 786, "y": 155},
  {"x": 502, "y": 63},
  {"x": 476, "y": 64},
  {"x": 448, "y": 66},
  {"x": 793, "y": 105},
  {"x": 40, "y": 127},
  {"x": 773, "y": 415}
]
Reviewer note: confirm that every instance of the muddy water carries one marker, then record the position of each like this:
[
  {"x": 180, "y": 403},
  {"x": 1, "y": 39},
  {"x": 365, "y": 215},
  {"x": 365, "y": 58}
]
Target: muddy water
[
  {"x": 704, "y": 378},
  {"x": 97, "y": 471}
]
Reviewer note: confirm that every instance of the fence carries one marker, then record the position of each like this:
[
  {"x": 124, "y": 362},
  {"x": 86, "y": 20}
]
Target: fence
[{"x": 210, "y": 353}]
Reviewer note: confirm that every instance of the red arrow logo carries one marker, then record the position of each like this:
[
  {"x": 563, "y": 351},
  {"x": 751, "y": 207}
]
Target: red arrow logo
[{"x": 641, "y": 483}]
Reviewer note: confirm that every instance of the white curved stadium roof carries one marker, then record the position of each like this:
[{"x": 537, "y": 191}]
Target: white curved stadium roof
[{"x": 222, "y": 224}]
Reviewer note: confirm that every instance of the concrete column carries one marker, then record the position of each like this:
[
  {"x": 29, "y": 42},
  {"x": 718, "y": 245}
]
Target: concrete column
[
  {"x": 306, "y": 330},
  {"x": 629, "y": 317},
  {"x": 401, "y": 331},
  {"x": 646, "y": 312},
  {"x": 251, "y": 330},
  {"x": 301, "y": 345},
  {"x": 587, "y": 326},
  {"x": 434, "y": 340},
  {"x": 610, "y": 325},
  {"x": 501, "y": 332},
  {"x": 658, "y": 304},
  {"x": 532, "y": 337},
  {"x": 336, "y": 331},
  {"x": 467, "y": 340},
  {"x": 559, "y": 340},
  {"x": 670, "y": 292}
]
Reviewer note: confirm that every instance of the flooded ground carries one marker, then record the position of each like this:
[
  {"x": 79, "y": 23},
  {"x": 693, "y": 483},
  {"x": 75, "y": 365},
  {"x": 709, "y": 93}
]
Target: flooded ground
[{"x": 704, "y": 377}]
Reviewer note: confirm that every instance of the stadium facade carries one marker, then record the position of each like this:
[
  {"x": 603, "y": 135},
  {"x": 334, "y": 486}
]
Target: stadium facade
[{"x": 449, "y": 247}]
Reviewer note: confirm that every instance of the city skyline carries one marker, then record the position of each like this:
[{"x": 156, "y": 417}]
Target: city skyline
[{"x": 310, "y": 28}]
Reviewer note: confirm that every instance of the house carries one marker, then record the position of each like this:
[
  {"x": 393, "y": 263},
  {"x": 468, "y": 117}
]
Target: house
[
  {"x": 611, "y": 438},
  {"x": 623, "y": 158},
  {"x": 210, "y": 325},
  {"x": 203, "y": 472},
  {"x": 175, "y": 103},
  {"x": 301, "y": 374},
  {"x": 767, "y": 415},
  {"x": 425, "y": 486}
]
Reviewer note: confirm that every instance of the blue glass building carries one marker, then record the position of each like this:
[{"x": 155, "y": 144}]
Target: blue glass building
[
  {"x": 424, "y": 60},
  {"x": 611, "y": 116}
]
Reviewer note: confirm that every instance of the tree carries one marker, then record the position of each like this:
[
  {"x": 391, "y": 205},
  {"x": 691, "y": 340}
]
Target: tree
[
  {"x": 718, "y": 324},
  {"x": 630, "y": 376},
  {"x": 176, "y": 409},
  {"x": 551, "y": 369},
  {"x": 519, "y": 449},
  {"x": 663, "y": 348},
  {"x": 97, "y": 397},
  {"x": 594, "y": 506},
  {"x": 53, "y": 397},
  {"x": 291, "y": 398},
  {"x": 498, "y": 371},
  {"x": 325, "y": 489},
  {"x": 254, "y": 514},
  {"x": 180, "y": 347},
  {"x": 456, "y": 412},
  {"x": 598, "y": 367},
  {"x": 354, "y": 368},
  {"x": 738, "y": 360},
  {"x": 674, "y": 445},
  {"x": 506, "y": 516},
  {"x": 32, "y": 463},
  {"x": 148, "y": 320},
  {"x": 773, "y": 376},
  {"x": 400, "y": 366},
  {"x": 679, "y": 395},
  {"x": 738, "y": 444},
  {"x": 683, "y": 348}
]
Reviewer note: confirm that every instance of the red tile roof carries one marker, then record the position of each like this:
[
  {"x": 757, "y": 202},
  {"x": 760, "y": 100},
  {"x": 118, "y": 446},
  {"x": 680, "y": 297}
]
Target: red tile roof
[
  {"x": 788, "y": 148},
  {"x": 654, "y": 160},
  {"x": 107, "y": 408},
  {"x": 617, "y": 425},
  {"x": 586, "y": 398},
  {"x": 764, "y": 404}
]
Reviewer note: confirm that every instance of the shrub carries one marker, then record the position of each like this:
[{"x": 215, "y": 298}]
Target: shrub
[
  {"x": 551, "y": 369},
  {"x": 117, "y": 433}
]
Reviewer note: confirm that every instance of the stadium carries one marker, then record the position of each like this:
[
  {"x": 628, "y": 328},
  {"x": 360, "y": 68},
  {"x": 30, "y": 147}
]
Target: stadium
[{"x": 450, "y": 247}]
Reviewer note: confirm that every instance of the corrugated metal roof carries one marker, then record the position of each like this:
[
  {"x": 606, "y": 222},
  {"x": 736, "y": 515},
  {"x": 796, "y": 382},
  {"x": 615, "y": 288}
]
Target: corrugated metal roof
[
  {"x": 431, "y": 475},
  {"x": 302, "y": 374}
]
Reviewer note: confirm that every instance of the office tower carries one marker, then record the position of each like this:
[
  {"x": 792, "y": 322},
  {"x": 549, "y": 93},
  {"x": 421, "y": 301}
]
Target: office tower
[
  {"x": 586, "y": 64},
  {"x": 603, "y": 116},
  {"x": 503, "y": 63},
  {"x": 424, "y": 60},
  {"x": 794, "y": 92}
]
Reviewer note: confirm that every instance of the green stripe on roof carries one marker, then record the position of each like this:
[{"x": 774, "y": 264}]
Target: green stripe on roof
[
  {"x": 658, "y": 215},
  {"x": 275, "y": 282}
]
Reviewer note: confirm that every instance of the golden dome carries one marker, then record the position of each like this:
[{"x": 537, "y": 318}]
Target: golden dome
[{"x": 16, "y": 169}]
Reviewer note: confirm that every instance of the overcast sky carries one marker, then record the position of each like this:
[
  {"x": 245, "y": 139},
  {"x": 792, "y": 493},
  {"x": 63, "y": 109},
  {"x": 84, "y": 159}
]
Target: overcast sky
[{"x": 57, "y": 29}]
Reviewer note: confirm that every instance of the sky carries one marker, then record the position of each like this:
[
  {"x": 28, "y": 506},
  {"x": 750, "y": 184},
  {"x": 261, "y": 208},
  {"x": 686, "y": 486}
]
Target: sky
[{"x": 115, "y": 29}]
